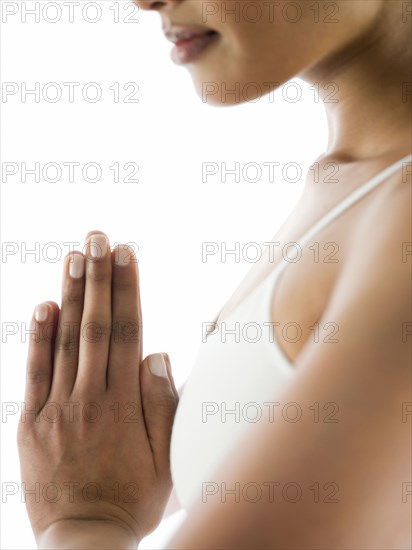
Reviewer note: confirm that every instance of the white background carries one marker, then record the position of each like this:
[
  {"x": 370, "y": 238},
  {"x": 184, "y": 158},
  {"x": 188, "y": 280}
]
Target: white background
[{"x": 169, "y": 213}]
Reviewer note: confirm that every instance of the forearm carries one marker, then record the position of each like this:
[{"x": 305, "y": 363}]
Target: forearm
[{"x": 87, "y": 534}]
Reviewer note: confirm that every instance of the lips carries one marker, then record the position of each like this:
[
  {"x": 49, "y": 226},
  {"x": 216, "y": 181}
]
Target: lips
[
  {"x": 181, "y": 34},
  {"x": 189, "y": 42}
]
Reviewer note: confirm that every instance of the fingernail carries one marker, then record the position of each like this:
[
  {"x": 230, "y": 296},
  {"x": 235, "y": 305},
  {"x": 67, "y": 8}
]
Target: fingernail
[
  {"x": 76, "y": 266},
  {"x": 41, "y": 313},
  {"x": 157, "y": 365},
  {"x": 123, "y": 255},
  {"x": 98, "y": 246}
]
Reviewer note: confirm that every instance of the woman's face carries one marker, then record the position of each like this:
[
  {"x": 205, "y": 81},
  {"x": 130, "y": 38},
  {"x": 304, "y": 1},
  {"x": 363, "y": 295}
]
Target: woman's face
[{"x": 259, "y": 44}]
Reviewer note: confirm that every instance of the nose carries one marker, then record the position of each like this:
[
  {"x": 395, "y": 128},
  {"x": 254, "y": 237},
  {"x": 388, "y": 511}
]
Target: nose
[{"x": 156, "y": 5}]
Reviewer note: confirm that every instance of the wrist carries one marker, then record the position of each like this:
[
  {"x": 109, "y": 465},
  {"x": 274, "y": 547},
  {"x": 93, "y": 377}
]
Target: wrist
[{"x": 87, "y": 534}]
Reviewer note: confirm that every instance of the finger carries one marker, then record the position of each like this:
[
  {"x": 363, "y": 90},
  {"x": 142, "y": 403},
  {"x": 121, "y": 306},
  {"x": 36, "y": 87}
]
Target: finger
[
  {"x": 95, "y": 327},
  {"x": 39, "y": 370},
  {"x": 170, "y": 375},
  {"x": 66, "y": 355},
  {"x": 159, "y": 407},
  {"x": 126, "y": 340}
]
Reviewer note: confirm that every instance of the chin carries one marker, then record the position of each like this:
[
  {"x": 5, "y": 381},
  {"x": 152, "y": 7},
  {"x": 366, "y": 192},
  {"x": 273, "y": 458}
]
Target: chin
[
  {"x": 209, "y": 93},
  {"x": 220, "y": 92},
  {"x": 229, "y": 83}
]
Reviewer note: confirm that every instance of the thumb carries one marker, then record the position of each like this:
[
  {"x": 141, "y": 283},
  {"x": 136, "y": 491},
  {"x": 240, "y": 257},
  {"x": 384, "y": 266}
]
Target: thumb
[{"x": 159, "y": 402}]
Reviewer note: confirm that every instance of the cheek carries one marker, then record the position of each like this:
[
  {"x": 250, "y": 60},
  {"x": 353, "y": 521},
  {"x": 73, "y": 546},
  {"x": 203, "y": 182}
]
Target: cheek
[
  {"x": 244, "y": 62},
  {"x": 253, "y": 46},
  {"x": 254, "y": 52}
]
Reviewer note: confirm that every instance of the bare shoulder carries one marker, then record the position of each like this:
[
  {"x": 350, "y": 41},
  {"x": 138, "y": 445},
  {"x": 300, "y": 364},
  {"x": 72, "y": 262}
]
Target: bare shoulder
[
  {"x": 380, "y": 255},
  {"x": 373, "y": 294}
]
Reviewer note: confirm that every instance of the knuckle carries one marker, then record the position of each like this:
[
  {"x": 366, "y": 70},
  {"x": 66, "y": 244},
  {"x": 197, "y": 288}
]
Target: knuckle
[
  {"x": 37, "y": 374},
  {"x": 121, "y": 286},
  {"x": 165, "y": 404},
  {"x": 67, "y": 344},
  {"x": 97, "y": 274},
  {"x": 73, "y": 298},
  {"x": 92, "y": 331},
  {"x": 126, "y": 330},
  {"x": 42, "y": 334},
  {"x": 35, "y": 337}
]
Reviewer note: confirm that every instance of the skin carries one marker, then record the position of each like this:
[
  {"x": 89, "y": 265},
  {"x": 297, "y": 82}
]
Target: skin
[{"x": 367, "y": 454}]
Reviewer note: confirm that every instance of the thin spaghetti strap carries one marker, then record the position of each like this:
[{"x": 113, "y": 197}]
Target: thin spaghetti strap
[
  {"x": 273, "y": 277},
  {"x": 353, "y": 198}
]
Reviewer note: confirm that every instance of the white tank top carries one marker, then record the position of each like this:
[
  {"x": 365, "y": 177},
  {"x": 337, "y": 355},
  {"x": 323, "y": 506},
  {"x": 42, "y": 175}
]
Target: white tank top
[{"x": 236, "y": 373}]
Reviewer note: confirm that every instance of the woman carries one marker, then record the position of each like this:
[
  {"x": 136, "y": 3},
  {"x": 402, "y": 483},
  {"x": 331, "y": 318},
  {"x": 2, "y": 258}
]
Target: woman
[{"x": 281, "y": 440}]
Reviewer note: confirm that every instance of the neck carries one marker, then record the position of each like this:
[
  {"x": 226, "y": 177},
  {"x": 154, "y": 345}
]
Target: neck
[{"x": 367, "y": 92}]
